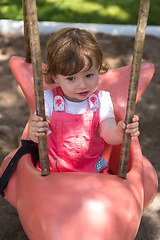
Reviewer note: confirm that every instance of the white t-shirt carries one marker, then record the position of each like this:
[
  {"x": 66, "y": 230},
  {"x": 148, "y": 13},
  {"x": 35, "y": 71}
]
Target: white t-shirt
[{"x": 105, "y": 105}]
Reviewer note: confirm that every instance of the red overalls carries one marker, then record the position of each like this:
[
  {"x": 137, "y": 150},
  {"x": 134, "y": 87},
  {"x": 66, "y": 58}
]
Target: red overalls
[{"x": 75, "y": 144}]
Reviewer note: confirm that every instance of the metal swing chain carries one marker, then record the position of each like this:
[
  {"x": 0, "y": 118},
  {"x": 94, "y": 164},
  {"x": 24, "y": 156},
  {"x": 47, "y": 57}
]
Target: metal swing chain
[{"x": 134, "y": 77}]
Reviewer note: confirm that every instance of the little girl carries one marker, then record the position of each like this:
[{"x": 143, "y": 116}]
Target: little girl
[{"x": 80, "y": 119}]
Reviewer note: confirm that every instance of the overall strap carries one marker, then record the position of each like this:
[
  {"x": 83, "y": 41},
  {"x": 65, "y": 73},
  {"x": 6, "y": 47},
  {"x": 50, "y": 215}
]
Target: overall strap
[
  {"x": 93, "y": 101},
  {"x": 57, "y": 92},
  {"x": 27, "y": 147},
  {"x": 58, "y": 100}
]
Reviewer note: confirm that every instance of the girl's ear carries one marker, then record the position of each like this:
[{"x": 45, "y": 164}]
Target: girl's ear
[
  {"x": 54, "y": 79},
  {"x": 52, "y": 85}
]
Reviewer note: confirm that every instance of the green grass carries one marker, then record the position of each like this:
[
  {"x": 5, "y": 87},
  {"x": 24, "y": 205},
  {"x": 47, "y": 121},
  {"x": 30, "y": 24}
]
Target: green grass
[{"x": 84, "y": 11}]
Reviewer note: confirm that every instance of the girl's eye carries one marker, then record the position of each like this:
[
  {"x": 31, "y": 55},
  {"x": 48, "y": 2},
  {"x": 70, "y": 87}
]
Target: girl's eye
[
  {"x": 89, "y": 75},
  {"x": 70, "y": 78}
]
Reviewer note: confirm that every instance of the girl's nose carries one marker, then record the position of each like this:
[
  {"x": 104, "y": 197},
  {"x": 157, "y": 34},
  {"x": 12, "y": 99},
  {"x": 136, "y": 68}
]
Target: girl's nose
[{"x": 81, "y": 84}]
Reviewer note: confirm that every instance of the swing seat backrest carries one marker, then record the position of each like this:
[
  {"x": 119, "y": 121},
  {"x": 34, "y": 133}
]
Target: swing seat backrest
[{"x": 83, "y": 206}]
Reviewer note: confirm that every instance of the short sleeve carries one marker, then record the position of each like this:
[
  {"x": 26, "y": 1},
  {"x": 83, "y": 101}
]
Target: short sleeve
[
  {"x": 105, "y": 106},
  {"x": 48, "y": 100}
]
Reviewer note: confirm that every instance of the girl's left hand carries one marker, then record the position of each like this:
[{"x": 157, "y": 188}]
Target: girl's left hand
[{"x": 131, "y": 128}]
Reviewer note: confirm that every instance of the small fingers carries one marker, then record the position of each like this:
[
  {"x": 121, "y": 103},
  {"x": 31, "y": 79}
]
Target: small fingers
[
  {"x": 39, "y": 134},
  {"x": 40, "y": 131},
  {"x": 135, "y": 118},
  {"x": 36, "y": 118},
  {"x": 122, "y": 124},
  {"x": 39, "y": 123},
  {"x": 48, "y": 119},
  {"x": 136, "y": 134},
  {"x": 133, "y": 128},
  {"x": 38, "y": 127}
]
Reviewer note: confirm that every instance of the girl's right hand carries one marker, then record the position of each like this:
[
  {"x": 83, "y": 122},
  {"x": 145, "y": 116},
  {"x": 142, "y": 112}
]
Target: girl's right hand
[{"x": 37, "y": 127}]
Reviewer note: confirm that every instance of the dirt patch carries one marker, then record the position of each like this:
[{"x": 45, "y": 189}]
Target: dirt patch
[{"x": 14, "y": 114}]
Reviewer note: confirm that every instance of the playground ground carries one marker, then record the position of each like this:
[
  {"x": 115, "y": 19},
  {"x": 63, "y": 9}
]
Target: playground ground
[{"x": 14, "y": 114}]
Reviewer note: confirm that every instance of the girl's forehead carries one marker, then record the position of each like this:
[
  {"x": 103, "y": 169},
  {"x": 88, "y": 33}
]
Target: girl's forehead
[{"x": 88, "y": 66}]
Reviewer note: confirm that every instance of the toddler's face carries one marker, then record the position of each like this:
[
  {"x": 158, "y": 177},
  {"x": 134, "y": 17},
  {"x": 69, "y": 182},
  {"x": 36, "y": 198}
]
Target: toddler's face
[{"x": 80, "y": 86}]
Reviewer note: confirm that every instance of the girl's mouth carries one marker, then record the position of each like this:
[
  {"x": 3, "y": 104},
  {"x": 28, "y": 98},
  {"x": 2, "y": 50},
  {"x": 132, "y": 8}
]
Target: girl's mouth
[{"x": 83, "y": 93}]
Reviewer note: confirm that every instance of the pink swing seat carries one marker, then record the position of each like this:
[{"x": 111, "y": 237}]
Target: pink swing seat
[{"x": 83, "y": 206}]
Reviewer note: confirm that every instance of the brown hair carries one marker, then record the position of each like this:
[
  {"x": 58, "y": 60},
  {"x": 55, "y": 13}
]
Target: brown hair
[{"x": 68, "y": 50}]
